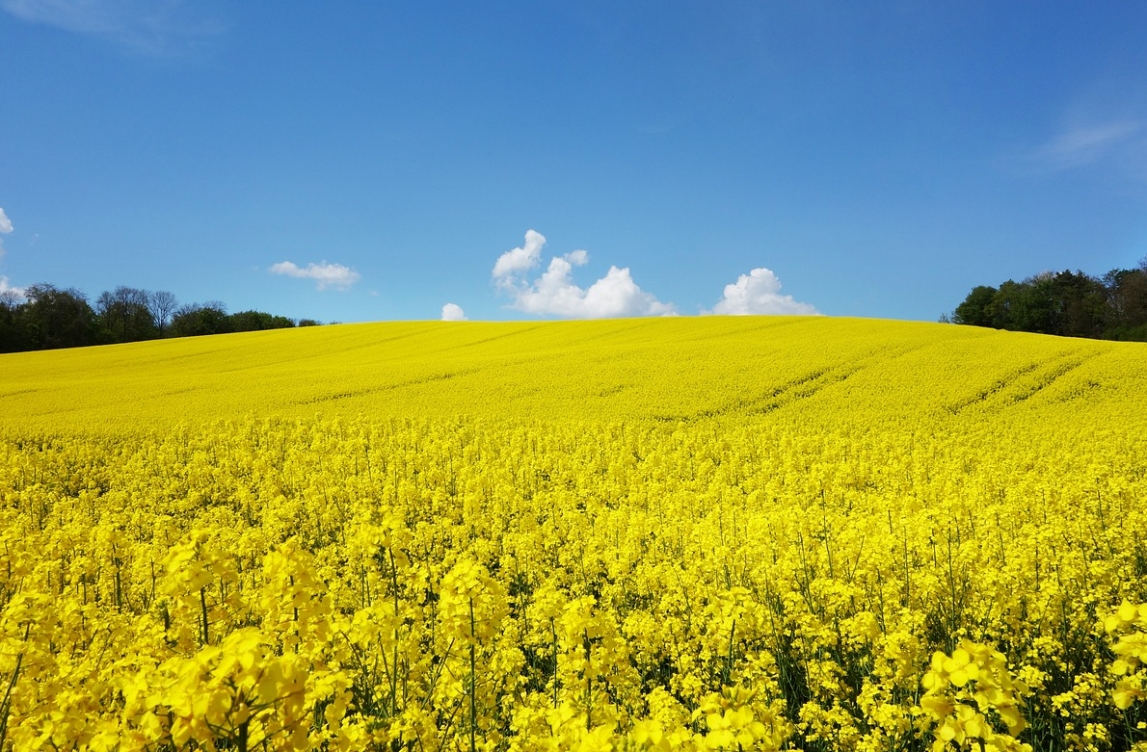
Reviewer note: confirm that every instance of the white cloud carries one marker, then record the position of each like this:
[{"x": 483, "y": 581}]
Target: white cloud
[
  {"x": 325, "y": 275},
  {"x": 452, "y": 312},
  {"x": 578, "y": 258},
  {"x": 1085, "y": 143},
  {"x": 758, "y": 293},
  {"x": 554, "y": 292},
  {"x": 520, "y": 259},
  {"x": 11, "y": 292},
  {"x": 149, "y": 27},
  {"x": 5, "y": 228}
]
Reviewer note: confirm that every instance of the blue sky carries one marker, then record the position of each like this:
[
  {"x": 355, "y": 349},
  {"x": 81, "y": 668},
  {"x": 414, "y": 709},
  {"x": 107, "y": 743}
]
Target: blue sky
[{"x": 363, "y": 161}]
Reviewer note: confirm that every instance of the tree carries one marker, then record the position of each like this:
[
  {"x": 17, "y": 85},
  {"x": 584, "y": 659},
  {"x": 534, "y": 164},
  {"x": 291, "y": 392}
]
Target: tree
[
  {"x": 125, "y": 315},
  {"x": 1127, "y": 303},
  {"x": 975, "y": 308},
  {"x": 195, "y": 320},
  {"x": 44, "y": 316},
  {"x": 1036, "y": 309},
  {"x": 11, "y": 332},
  {"x": 253, "y": 321},
  {"x": 1080, "y": 303},
  {"x": 1068, "y": 304},
  {"x": 1128, "y": 295},
  {"x": 1006, "y": 304},
  {"x": 55, "y": 318},
  {"x": 162, "y": 305}
]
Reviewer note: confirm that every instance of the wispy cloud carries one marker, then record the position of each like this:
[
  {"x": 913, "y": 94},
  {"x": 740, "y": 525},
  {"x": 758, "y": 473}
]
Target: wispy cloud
[
  {"x": 554, "y": 292},
  {"x": 5, "y": 228},
  {"x": 325, "y": 275},
  {"x": 453, "y": 312},
  {"x": 1083, "y": 144},
  {"x": 149, "y": 27},
  {"x": 759, "y": 293}
]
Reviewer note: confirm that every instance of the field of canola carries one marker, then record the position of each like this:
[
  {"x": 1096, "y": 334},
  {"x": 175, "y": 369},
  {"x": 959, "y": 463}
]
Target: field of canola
[{"x": 694, "y": 534}]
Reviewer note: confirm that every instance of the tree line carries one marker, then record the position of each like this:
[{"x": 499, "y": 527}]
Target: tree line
[
  {"x": 46, "y": 317},
  {"x": 1068, "y": 304}
]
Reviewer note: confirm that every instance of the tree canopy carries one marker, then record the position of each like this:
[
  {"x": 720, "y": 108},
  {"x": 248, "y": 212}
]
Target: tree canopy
[
  {"x": 46, "y": 317},
  {"x": 1068, "y": 304}
]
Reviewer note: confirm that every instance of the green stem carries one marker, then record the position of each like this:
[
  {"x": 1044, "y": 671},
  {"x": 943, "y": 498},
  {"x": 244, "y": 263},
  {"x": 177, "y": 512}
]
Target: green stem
[
  {"x": 554, "y": 635},
  {"x": 203, "y": 611},
  {"x": 588, "y": 682},
  {"x": 394, "y": 652},
  {"x": 6, "y": 705},
  {"x": 473, "y": 681},
  {"x": 729, "y": 659}
]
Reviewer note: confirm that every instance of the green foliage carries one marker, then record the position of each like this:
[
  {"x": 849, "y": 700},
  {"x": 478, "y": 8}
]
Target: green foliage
[
  {"x": 46, "y": 317},
  {"x": 52, "y": 318},
  {"x": 196, "y": 320},
  {"x": 254, "y": 321},
  {"x": 1067, "y": 304},
  {"x": 126, "y": 316},
  {"x": 975, "y": 308}
]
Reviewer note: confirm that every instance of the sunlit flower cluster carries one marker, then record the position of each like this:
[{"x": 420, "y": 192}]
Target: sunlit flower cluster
[{"x": 958, "y": 564}]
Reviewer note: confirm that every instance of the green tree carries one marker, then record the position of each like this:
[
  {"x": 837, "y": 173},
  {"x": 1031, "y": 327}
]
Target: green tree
[
  {"x": 974, "y": 311},
  {"x": 196, "y": 320},
  {"x": 125, "y": 315},
  {"x": 1068, "y": 304},
  {"x": 253, "y": 321},
  {"x": 1036, "y": 308},
  {"x": 1080, "y": 304},
  {"x": 11, "y": 330},
  {"x": 1006, "y": 306},
  {"x": 53, "y": 318}
]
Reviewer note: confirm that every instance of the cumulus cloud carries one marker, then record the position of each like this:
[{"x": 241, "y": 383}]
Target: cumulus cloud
[
  {"x": 555, "y": 293},
  {"x": 142, "y": 26},
  {"x": 518, "y": 260},
  {"x": 453, "y": 312},
  {"x": 325, "y": 275},
  {"x": 759, "y": 293},
  {"x": 5, "y": 228}
]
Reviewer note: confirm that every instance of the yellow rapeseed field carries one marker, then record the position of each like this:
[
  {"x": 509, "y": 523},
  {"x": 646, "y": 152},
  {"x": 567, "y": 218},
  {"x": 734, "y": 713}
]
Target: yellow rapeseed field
[{"x": 697, "y": 534}]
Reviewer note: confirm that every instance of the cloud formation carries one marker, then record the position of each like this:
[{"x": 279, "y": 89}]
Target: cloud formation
[
  {"x": 5, "y": 228},
  {"x": 325, "y": 275},
  {"x": 1084, "y": 144},
  {"x": 554, "y": 292},
  {"x": 519, "y": 260},
  {"x": 142, "y": 26},
  {"x": 759, "y": 293},
  {"x": 452, "y": 312}
]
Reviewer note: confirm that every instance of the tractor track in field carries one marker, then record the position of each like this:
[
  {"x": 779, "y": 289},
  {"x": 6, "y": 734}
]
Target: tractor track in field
[
  {"x": 384, "y": 387},
  {"x": 801, "y": 387},
  {"x": 1023, "y": 383},
  {"x": 1044, "y": 380}
]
